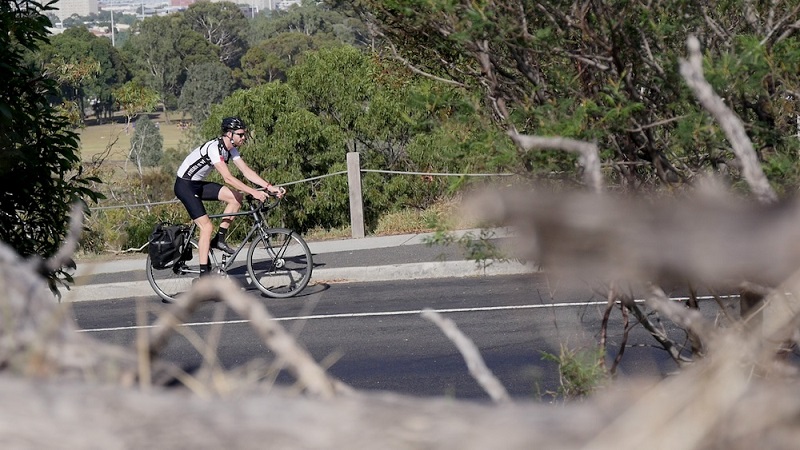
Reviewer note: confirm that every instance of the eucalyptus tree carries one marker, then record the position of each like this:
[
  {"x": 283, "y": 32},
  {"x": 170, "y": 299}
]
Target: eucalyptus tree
[
  {"x": 397, "y": 121},
  {"x": 223, "y": 25},
  {"x": 206, "y": 84},
  {"x": 135, "y": 98},
  {"x": 162, "y": 49},
  {"x": 271, "y": 59},
  {"x": 310, "y": 18},
  {"x": 147, "y": 144},
  {"x": 71, "y": 53}
]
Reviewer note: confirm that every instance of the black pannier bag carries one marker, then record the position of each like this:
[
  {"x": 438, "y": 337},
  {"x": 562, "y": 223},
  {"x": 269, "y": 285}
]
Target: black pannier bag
[{"x": 167, "y": 241}]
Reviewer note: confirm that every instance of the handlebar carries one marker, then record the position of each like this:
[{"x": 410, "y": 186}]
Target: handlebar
[{"x": 271, "y": 202}]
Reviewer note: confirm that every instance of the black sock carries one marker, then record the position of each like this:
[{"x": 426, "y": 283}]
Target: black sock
[
  {"x": 221, "y": 234},
  {"x": 205, "y": 269}
]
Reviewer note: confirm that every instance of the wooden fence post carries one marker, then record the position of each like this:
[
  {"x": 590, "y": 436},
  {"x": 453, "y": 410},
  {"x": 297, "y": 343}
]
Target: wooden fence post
[{"x": 356, "y": 201}]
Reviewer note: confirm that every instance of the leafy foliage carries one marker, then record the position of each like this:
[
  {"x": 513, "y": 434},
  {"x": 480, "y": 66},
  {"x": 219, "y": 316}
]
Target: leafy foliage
[
  {"x": 271, "y": 59},
  {"x": 223, "y": 25},
  {"x": 607, "y": 72},
  {"x": 206, "y": 84},
  {"x": 163, "y": 50},
  {"x": 40, "y": 169},
  {"x": 75, "y": 47},
  {"x": 581, "y": 372},
  {"x": 134, "y": 98},
  {"x": 313, "y": 19}
]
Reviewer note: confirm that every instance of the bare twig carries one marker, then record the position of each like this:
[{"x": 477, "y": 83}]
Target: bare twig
[
  {"x": 471, "y": 355},
  {"x": 625, "y": 238},
  {"x": 587, "y": 152},
  {"x": 687, "y": 318},
  {"x": 311, "y": 376},
  {"x": 692, "y": 71}
]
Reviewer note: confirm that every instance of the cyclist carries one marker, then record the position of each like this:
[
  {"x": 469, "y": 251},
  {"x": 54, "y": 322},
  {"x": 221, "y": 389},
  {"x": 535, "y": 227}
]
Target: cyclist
[{"x": 191, "y": 187}]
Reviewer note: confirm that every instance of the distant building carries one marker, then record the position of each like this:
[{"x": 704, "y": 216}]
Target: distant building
[
  {"x": 255, "y": 5},
  {"x": 66, "y": 8},
  {"x": 286, "y": 4},
  {"x": 181, "y": 3}
]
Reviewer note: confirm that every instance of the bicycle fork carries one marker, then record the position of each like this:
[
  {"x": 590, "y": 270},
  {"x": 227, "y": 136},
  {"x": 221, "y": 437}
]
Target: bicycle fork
[{"x": 277, "y": 257}]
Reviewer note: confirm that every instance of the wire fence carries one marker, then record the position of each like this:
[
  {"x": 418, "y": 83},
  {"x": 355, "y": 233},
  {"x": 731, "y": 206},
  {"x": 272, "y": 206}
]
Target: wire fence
[{"x": 306, "y": 180}]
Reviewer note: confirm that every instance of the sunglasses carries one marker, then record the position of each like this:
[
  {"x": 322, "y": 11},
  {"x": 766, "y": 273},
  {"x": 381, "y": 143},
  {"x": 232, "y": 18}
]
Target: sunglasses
[{"x": 241, "y": 135}]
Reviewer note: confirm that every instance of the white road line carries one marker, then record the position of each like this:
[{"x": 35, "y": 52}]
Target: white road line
[{"x": 400, "y": 313}]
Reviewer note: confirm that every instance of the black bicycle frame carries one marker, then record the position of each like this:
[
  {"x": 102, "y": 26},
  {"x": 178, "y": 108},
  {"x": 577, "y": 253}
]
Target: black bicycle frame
[{"x": 258, "y": 225}]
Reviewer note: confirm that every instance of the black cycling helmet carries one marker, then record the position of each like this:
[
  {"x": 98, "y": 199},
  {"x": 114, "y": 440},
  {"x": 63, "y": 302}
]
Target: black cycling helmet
[{"x": 232, "y": 124}]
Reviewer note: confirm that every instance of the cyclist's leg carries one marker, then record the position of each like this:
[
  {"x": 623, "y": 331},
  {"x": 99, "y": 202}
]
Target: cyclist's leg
[
  {"x": 205, "y": 229},
  {"x": 233, "y": 202},
  {"x": 192, "y": 194}
]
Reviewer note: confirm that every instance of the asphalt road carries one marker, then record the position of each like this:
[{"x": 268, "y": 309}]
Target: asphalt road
[{"x": 372, "y": 336}]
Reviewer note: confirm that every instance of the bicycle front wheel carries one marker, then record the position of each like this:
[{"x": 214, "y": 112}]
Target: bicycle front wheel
[
  {"x": 279, "y": 263},
  {"x": 169, "y": 283}
]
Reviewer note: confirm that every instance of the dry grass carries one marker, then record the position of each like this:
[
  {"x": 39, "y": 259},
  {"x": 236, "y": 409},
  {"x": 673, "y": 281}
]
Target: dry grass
[
  {"x": 447, "y": 214},
  {"x": 96, "y": 138}
]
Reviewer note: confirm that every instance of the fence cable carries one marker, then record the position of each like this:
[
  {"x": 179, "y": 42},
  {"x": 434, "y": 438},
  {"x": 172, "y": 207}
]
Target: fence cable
[
  {"x": 394, "y": 172},
  {"x": 436, "y": 174}
]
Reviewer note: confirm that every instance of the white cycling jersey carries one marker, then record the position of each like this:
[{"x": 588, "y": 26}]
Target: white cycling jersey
[{"x": 200, "y": 161}]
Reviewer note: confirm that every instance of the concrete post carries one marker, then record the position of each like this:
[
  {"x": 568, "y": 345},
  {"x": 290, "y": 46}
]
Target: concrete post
[{"x": 356, "y": 201}]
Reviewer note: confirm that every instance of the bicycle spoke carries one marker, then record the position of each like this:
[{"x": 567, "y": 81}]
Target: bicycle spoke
[
  {"x": 279, "y": 263},
  {"x": 170, "y": 282}
]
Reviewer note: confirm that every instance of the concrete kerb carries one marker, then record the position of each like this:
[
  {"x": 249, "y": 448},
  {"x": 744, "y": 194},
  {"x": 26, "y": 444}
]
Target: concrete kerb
[
  {"x": 88, "y": 268},
  {"x": 392, "y": 272}
]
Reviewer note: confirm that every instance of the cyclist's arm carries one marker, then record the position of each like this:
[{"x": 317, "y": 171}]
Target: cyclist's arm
[
  {"x": 251, "y": 175},
  {"x": 231, "y": 180}
]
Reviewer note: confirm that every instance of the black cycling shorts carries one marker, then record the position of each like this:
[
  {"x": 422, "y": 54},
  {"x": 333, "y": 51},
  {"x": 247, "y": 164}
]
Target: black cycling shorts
[{"x": 192, "y": 193}]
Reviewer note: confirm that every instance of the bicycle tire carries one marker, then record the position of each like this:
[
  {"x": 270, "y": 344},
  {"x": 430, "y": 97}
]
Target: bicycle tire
[
  {"x": 281, "y": 265},
  {"x": 169, "y": 283}
]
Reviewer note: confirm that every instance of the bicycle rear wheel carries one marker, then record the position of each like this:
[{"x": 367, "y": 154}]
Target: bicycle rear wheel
[
  {"x": 169, "y": 283},
  {"x": 279, "y": 263}
]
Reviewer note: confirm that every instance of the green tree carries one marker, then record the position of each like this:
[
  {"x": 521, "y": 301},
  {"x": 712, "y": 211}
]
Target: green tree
[
  {"x": 134, "y": 99},
  {"x": 163, "y": 50},
  {"x": 73, "y": 77},
  {"x": 272, "y": 58},
  {"x": 310, "y": 18},
  {"x": 339, "y": 100},
  {"x": 77, "y": 47},
  {"x": 72, "y": 21},
  {"x": 40, "y": 169},
  {"x": 147, "y": 144},
  {"x": 395, "y": 121},
  {"x": 76, "y": 43},
  {"x": 223, "y": 25},
  {"x": 206, "y": 84}
]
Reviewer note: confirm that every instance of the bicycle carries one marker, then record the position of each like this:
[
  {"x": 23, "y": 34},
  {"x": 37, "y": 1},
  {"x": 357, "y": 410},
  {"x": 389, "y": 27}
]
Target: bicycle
[{"x": 279, "y": 262}]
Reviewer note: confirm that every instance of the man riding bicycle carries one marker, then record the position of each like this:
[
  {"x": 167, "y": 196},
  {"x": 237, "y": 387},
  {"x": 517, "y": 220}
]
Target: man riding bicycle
[{"x": 191, "y": 187}]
